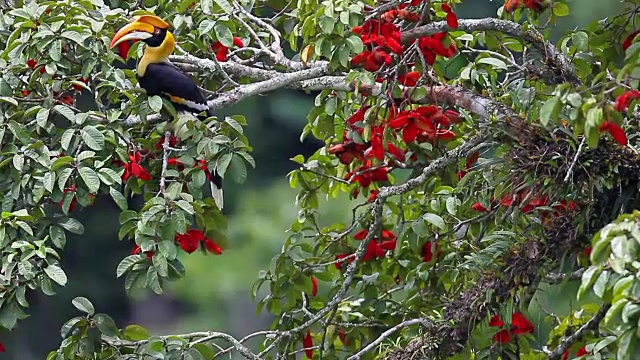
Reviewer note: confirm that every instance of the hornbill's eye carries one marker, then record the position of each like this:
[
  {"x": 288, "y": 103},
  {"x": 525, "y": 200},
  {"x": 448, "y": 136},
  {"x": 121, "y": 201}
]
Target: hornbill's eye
[{"x": 156, "y": 31}]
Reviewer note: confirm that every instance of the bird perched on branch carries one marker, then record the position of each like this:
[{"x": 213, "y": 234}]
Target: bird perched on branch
[{"x": 159, "y": 77}]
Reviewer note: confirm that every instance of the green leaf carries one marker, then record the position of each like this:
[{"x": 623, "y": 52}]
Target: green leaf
[
  {"x": 120, "y": 200},
  {"x": 57, "y": 235},
  {"x": 61, "y": 162},
  {"x": 435, "y": 220},
  {"x": 136, "y": 333},
  {"x": 106, "y": 325},
  {"x": 56, "y": 274},
  {"x": 154, "y": 280},
  {"x": 42, "y": 116},
  {"x": 155, "y": 103},
  {"x": 223, "y": 34},
  {"x": 238, "y": 170},
  {"x": 93, "y": 138},
  {"x": 65, "y": 111},
  {"x": 550, "y": 110},
  {"x": 496, "y": 63},
  {"x": 160, "y": 263},
  {"x": 205, "y": 26},
  {"x": 90, "y": 179},
  {"x": 66, "y": 138},
  {"x": 225, "y": 6},
  {"x": 580, "y": 40},
  {"x": 72, "y": 225},
  {"x": 560, "y": 9},
  {"x": 83, "y": 304},
  {"x": 126, "y": 264}
]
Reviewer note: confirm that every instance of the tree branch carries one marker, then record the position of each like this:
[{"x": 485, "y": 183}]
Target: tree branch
[
  {"x": 422, "y": 321},
  {"x": 592, "y": 324}
]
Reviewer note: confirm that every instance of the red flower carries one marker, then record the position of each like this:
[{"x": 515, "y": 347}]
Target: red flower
[
  {"x": 373, "y": 194},
  {"x": 407, "y": 15},
  {"x": 461, "y": 174},
  {"x": 413, "y": 122},
  {"x": 190, "y": 240},
  {"x": 502, "y": 337},
  {"x": 365, "y": 175},
  {"x": 587, "y": 251},
  {"x": 565, "y": 355},
  {"x": 520, "y": 324},
  {"x": 123, "y": 48},
  {"x": 583, "y": 351},
  {"x": 430, "y": 46},
  {"x": 136, "y": 250},
  {"x": 66, "y": 99},
  {"x": 478, "y": 207},
  {"x": 410, "y": 78},
  {"x": 347, "y": 151},
  {"x": 212, "y": 247},
  {"x": 427, "y": 251},
  {"x": 452, "y": 19},
  {"x": 31, "y": 63},
  {"x": 307, "y": 342},
  {"x": 622, "y": 101},
  {"x": 2, "y": 348},
  {"x": 222, "y": 51},
  {"x": 175, "y": 162},
  {"x": 535, "y": 5},
  {"x": 629, "y": 39},
  {"x": 496, "y": 321},
  {"x": 133, "y": 168},
  {"x": 314, "y": 286},
  {"x": 172, "y": 142},
  {"x": 616, "y": 132},
  {"x": 342, "y": 334},
  {"x": 25, "y": 92}
]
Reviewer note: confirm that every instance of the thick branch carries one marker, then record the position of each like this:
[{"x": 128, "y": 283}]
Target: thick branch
[{"x": 555, "y": 59}]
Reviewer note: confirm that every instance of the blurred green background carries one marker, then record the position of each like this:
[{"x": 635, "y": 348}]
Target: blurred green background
[{"x": 215, "y": 295}]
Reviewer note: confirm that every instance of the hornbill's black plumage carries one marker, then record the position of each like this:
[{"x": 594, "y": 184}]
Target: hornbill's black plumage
[{"x": 158, "y": 77}]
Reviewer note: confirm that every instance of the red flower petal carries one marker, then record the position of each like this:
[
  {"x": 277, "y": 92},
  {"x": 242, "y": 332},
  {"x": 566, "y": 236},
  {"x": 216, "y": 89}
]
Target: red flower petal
[
  {"x": 238, "y": 42},
  {"x": 629, "y": 39},
  {"x": 496, "y": 321},
  {"x": 502, "y": 337},
  {"x": 307, "y": 342},
  {"x": 478, "y": 207},
  {"x": 314, "y": 286},
  {"x": 520, "y": 324},
  {"x": 452, "y": 20},
  {"x": 31, "y": 63},
  {"x": 410, "y": 132},
  {"x": 2, "y": 348},
  {"x": 212, "y": 247},
  {"x": 427, "y": 251},
  {"x": 583, "y": 351},
  {"x": 360, "y": 235},
  {"x": 342, "y": 334},
  {"x": 616, "y": 132}
]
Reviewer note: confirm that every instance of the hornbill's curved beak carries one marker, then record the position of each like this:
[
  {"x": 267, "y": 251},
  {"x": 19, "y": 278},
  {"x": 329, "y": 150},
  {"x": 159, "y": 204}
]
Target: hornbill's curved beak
[{"x": 143, "y": 27}]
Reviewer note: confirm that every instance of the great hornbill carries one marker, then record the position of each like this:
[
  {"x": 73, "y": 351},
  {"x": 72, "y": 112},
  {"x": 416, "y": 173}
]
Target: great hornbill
[{"x": 159, "y": 77}]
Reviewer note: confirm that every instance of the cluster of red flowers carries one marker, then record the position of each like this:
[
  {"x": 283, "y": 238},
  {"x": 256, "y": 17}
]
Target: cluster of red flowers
[
  {"x": 520, "y": 325},
  {"x": 422, "y": 124},
  {"x": 522, "y": 197},
  {"x": 383, "y": 37},
  {"x": 621, "y": 104},
  {"x": 190, "y": 241},
  {"x": 133, "y": 167},
  {"x": 425, "y": 123},
  {"x": 380, "y": 37},
  {"x": 222, "y": 51},
  {"x": 535, "y": 5}
]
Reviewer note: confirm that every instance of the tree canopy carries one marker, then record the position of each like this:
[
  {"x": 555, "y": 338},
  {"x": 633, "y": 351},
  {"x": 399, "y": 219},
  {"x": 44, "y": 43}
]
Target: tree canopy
[{"x": 487, "y": 167}]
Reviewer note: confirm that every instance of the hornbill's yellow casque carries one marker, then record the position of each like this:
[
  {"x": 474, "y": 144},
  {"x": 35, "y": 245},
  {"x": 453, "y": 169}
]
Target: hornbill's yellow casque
[{"x": 159, "y": 77}]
